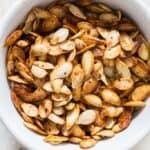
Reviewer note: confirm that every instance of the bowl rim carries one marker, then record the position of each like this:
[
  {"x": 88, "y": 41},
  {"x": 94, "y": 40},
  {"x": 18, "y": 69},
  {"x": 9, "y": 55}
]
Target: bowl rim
[{"x": 23, "y": 142}]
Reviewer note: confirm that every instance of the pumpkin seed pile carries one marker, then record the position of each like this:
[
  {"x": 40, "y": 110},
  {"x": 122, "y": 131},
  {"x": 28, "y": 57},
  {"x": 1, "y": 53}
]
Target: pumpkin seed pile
[{"x": 77, "y": 71}]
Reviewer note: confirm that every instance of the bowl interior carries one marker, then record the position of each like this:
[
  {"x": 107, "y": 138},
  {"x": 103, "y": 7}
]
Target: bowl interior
[{"x": 140, "y": 125}]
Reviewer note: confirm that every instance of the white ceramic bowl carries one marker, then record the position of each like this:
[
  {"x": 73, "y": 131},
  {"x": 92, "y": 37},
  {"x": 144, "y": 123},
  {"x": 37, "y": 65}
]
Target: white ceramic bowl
[{"x": 140, "y": 125}]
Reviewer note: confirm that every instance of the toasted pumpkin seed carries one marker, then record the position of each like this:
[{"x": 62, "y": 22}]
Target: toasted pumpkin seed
[
  {"x": 17, "y": 79},
  {"x": 88, "y": 62},
  {"x": 68, "y": 46},
  {"x": 112, "y": 53},
  {"x": 143, "y": 52},
  {"x": 48, "y": 87},
  {"x": 29, "y": 109},
  {"x": 45, "y": 108},
  {"x": 89, "y": 85},
  {"x": 110, "y": 97},
  {"x": 59, "y": 110},
  {"x": 43, "y": 65},
  {"x": 140, "y": 92},
  {"x": 135, "y": 104},
  {"x": 55, "y": 139},
  {"x": 34, "y": 128},
  {"x": 77, "y": 77},
  {"x": 75, "y": 140},
  {"x": 72, "y": 117},
  {"x": 126, "y": 42},
  {"x": 87, "y": 117},
  {"x": 61, "y": 71},
  {"x": 93, "y": 100},
  {"x": 38, "y": 72},
  {"x": 56, "y": 119},
  {"x": 123, "y": 69},
  {"x": 106, "y": 133},
  {"x": 13, "y": 37},
  {"x": 76, "y": 11},
  {"x": 87, "y": 143},
  {"x": 123, "y": 83},
  {"x": 60, "y": 36}
]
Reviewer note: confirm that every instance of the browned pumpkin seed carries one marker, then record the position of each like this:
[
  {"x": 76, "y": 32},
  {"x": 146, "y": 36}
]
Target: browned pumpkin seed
[
  {"x": 76, "y": 11},
  {"x": 112, "y": 53},
  {"x": 123, "y": 69},
  {"x": 75, "y": 140},
  {"x": 135, "y": 104},
  {"x": 29, "y": 96},
  {"x": 41, "y": 13},
  {"x": 140, "y": 93},
  {"x": 76, "y": 94},
  {"x": 111, "y": 36},
  {"x": 87, "y": 143},
  {"x": 77, "y": 77},
  {"x": 84, "y": 2},
  {"x": 56, "y": 139},
  {"x": 93, "y": 100},
  {"x": 87, "y": 63},
  {"x": 77, "y": 131},
  {"x": 58, "y": 11},
  {"x": 89, "y": 85},
  {"x": 106, "y": 133},
  {"x": 34, "y": 128},
  {"x": 13, "y": 37},
  {"x": 127, "y": 27},
  {"x": 70, "y": 106},
  {"x": 123, "y": 83},
  {"x": 108, "y": 17},
  {"x": 110, "y": 97},
  {"x": 141, "y": 69},
  {"x": 72, "y": 117},
  {"x": 124, "y": 121},
  {"x": 143, "y": 52},
  {"x": 105, "y": 7},
  {"x": 94, "y": 8},
  {"x": 17, "y": 79},
  {"x": 84, "y": 26},
  {"x": 45, "y": 108},
  {"x": 112, "y": 112},
  {"x": 126, "y": 42},
  {"x": 16, "y": 101}
]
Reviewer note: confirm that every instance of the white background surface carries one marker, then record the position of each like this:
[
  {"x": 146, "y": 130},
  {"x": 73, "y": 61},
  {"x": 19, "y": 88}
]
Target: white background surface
[{"x": 7, "y": 142}]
